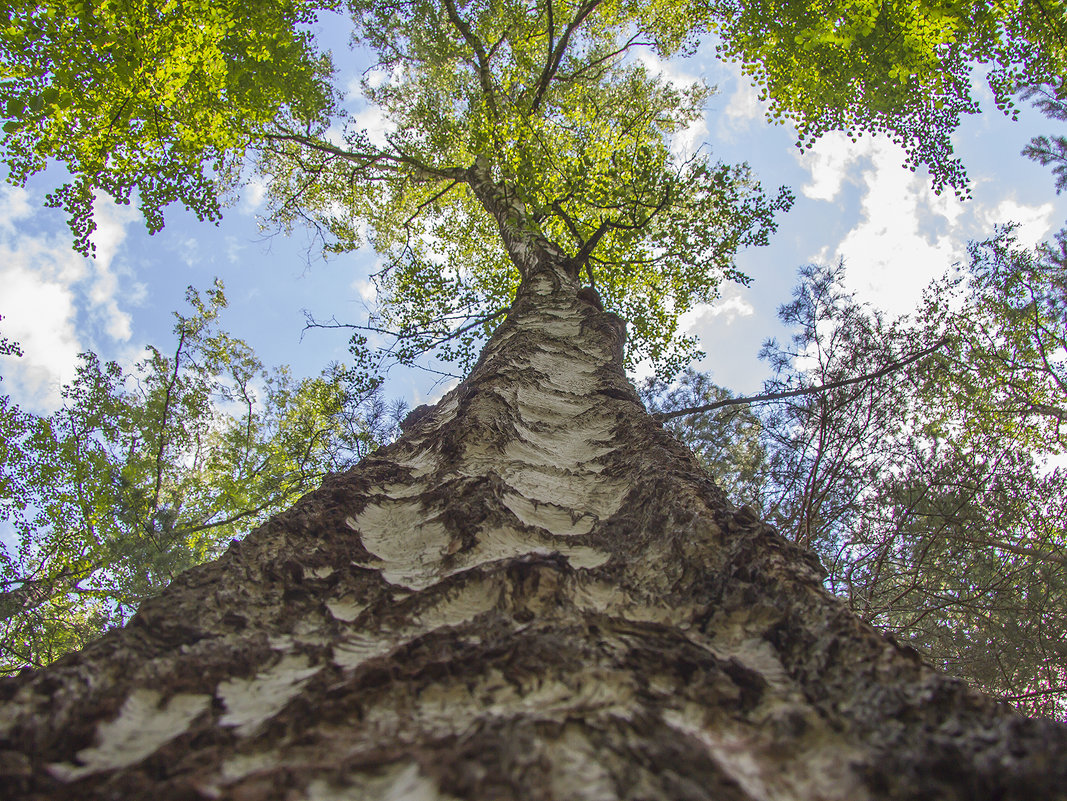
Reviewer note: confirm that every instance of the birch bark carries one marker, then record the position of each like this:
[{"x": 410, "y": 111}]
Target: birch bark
[{"x": 535, "y": 593}]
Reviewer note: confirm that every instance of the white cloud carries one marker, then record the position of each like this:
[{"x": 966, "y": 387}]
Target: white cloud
[
  {"x": 906, "y": 236},
  {"x": 727, "y": 309},
  {"x": 744, "y": 105},
  {"x": 686, "y": 142},
  {"x": 39, "y": 312},
  {"x": 190, "y": 251},
  {"x": 111, "y": 221},
  {"x": 829, "y": 162},
  {"x": 234, "y": 248},
  {"x": 45, "y": 287},
  {"x": 365, "y": 289},
  {"x": 668, "y": 69},
  {"x": 375, "y": 77},
  {"x": 252, "y": 196},
  {"x": 14, "y": 205},
  {"x": 373, "y": 120},
  {"x": 732, "y": 308},
  {"x": 1034, "y": 222}
]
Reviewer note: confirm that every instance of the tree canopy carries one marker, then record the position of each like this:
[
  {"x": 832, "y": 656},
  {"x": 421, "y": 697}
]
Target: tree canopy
[
  {"x": 157, "y": 98},
  {"x": 556, "y": 105},
  {"x": 902, "y": 68},
  {"x": 540, "y": 113}
]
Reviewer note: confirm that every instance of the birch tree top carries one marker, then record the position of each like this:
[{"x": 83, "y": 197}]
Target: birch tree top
[
  {"x": 535, "y": 114},
  {"x": 540, "y": 116}
]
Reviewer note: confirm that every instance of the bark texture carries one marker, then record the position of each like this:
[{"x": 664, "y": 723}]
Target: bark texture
[{"x": 534, "y": 594}]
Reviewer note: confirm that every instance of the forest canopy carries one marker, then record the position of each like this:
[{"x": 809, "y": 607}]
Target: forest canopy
[{"x": 177, "y": 101}]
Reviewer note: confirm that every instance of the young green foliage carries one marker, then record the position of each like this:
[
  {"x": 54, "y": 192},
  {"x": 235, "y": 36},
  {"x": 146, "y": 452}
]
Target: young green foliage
[
  {"x": 896, "y": 66},
  {"x": 161, "y": 98},
  {"x": 542, "y": 119}
]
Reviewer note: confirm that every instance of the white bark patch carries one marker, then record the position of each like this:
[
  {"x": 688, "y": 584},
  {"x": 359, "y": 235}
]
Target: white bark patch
[
  {"x": 608, "y": 599},
  {"x": 535, "y": 405},
  {"x": 522, "y": 454},
  {"x": 409, "y": 540},
  {"x": 403, "y": 782},
  {"x": 240, "y": 765},
  {"x": 413, "y": 542},
  {"x": 541, "y": 284},
  {"x": 249, "y": 702},
  {"x": 420, "y": 463},
  {"x": 281, "y": 642},
  {"x": 573, "y": 490},
  {"x": 446, "y": 709},
  {"x": 764, "y": 772},
  {"x": 354, "y": 651},
  {"x": 505, "y": 543},
  {"x": 571, "y": 442},
  {"x": 577, "y": 772},
  {"x": 345, "y": 609},
  {"x": 554, "y": 519},
  {"x": 562, "y": 372},
  {"x": 760, "y": 656},
  {"x": 141, "y": 728},
  {"x": 459, "y": 606},
  {"x": 398, "y": 492}
]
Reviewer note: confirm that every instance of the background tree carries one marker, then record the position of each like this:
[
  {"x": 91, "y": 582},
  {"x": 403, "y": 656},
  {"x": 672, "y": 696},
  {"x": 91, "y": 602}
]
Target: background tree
[
  {"x": 728, "y": 443},
  {"x": 1050, "y": 151},
  {"x": 927, "y": 493},
  {"x": 141, "y": 474}
]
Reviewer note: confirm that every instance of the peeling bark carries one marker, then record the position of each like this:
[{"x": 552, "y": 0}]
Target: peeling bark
[{"x": 535, "y": 593}]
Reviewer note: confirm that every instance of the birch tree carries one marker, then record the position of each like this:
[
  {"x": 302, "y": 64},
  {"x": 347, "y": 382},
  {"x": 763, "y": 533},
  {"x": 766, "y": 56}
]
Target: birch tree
[{"x": 535, "y": 592}]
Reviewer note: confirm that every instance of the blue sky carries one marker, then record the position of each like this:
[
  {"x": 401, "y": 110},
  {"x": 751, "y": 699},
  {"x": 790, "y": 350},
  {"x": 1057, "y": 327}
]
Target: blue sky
[{"x": 854, "y": 200}]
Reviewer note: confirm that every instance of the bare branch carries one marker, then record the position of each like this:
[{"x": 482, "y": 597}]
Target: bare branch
[{"x": 792, "y": 393}]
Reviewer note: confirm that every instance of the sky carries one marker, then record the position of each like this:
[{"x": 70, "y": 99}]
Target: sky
[{"x": 854, "y": 201}]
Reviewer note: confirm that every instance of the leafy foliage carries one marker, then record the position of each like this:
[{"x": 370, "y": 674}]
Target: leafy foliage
[
  {"x": 141, "y": 474},
  {"x": 157, "y": 97},
  {"x": 1004, "y": 379},
  {"x": 531, "y": 122},
  {"x": 505, "y": 123},
  {"x": 898, "y": 67},
  {"x": 728, "y": 444}
]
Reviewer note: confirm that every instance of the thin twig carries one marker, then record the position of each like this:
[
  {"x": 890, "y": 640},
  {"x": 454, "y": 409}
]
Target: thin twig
[{"x": 792, "y": 393}]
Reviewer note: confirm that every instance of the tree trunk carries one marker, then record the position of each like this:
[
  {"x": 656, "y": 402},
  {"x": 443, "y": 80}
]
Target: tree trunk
[{"x": 535, "y": 593}]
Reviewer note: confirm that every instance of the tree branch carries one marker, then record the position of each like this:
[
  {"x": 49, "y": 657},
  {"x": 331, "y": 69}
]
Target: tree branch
[
  {"x": 792, "y": 393},
  {"x": 555, "y": 57},
  {"x": 373, "y": 159},
  {"x": 484, "y": 75}
]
